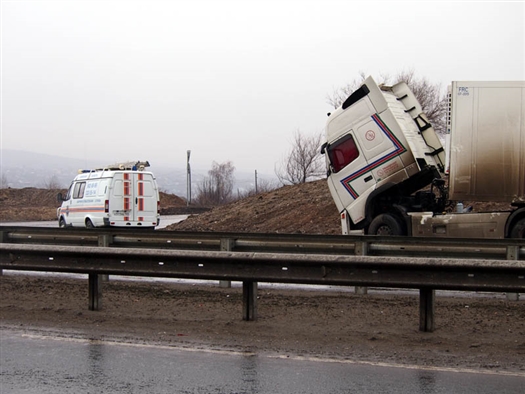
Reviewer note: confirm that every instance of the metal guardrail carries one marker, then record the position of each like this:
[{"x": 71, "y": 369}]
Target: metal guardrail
[
  {"x": 272, "y": 243},
  {"x": 426, "y": 264}
]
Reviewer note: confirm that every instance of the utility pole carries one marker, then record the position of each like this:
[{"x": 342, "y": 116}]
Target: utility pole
[
  {"x": 256, "y": 191},
  {"x": 188, "y": 179}
]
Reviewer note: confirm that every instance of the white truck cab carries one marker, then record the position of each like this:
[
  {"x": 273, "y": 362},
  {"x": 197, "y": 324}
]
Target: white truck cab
[
  {"x": 378, "y": 138},
  {"x": 386, "y": 165},
  {"x": 119, "y": 195}
]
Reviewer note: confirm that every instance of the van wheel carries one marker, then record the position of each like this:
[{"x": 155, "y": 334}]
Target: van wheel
[
  {"x": 386, "y": 224},
  {"x": 62, "y": 223},
  {"x": 518, "y": 230},
  {"x": 89, "y": 224}
]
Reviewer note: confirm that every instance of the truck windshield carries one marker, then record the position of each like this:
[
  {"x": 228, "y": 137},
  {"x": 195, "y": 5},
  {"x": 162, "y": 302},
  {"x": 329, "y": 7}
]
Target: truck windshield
[{"x": 342, "y": 152}]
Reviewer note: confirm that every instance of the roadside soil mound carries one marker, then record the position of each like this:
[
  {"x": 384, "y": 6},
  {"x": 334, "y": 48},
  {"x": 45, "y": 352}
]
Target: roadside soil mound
[
  {"x": 33, "y": 204},
  {"x": 28, "y": 204},
  {"x": 306, "y": 209}
]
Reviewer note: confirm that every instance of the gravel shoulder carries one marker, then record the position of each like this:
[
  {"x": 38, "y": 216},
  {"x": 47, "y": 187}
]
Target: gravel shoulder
[{"x": 481, "y": 333}]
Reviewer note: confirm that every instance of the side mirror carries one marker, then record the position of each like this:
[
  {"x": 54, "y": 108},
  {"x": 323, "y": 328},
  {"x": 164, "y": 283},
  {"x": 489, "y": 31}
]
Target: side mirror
[{"x": 60, "y": 198}]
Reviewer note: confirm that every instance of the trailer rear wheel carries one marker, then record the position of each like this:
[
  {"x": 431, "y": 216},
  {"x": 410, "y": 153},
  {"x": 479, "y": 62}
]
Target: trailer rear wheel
[
  {"x": 518, "y": 230},
  {"x": 386, "y": 224}
]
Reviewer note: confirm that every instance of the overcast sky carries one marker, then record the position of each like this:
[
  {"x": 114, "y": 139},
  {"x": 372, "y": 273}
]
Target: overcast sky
[{"x": 228, "y": 80}]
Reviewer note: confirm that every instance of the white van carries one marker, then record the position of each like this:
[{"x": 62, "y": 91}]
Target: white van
[{"x": 120, "y": 195}]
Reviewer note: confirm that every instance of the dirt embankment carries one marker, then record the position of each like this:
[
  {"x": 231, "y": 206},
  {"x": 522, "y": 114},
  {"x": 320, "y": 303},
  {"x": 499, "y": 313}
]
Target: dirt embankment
[
  {"x": 307, "y": 209},
  {"x": 304, "y": 209},
  {"x": 33, "y": 204}
]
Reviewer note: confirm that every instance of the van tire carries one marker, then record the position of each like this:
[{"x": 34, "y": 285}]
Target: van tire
[
  {"x": 386, "y": 224},
  {"x": 89, "y": 224},
  {"x": 62, "y": 223},
  {"x": 518, "y": 230}
]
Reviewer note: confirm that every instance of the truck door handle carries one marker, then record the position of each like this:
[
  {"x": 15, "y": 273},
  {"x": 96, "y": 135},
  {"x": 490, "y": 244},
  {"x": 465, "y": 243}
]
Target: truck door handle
[
  {"x": 136, "y": 200},
  {"x": 368, "y": 178}
]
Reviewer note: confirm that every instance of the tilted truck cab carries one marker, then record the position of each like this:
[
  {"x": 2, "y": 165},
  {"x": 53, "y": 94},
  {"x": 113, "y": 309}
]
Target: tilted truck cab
[{"x": 385, "y": 165}]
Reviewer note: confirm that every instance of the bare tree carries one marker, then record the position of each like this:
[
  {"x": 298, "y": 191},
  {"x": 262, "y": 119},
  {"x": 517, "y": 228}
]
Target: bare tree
[
  {"x": 433, "y": 102},
  {"x": 4, "y": 183},
  {"x": 340, "y": 94},
  {"x": 429, "y": 95},
  {"x": 263, "y": 186},
  {"x": 303, "y": 162},
  {"x": 52, "y": 183},
  {"x": 217, "y": 187}
]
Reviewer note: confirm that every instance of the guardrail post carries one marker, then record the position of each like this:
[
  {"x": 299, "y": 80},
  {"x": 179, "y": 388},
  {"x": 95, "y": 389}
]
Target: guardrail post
[
  {"x": 249, "y": 301},
  {"x": 95, "y": 292},
  {"x": 3, "y": 239},
  {"x": 513, "y": 252},
  {"x": 361, "y": 249},
  {"x": 104, "y": 240},
  {"x": 426, "y": 309},
  {"x": 227, "y": 245}
]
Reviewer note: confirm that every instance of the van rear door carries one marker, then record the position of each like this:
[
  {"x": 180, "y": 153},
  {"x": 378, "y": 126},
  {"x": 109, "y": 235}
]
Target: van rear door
[{"x": 133, "y": 200}]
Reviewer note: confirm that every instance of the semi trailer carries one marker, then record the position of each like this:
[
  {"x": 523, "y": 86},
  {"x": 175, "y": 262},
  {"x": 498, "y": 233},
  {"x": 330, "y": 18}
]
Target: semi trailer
[{"x": 389, "y": 173}]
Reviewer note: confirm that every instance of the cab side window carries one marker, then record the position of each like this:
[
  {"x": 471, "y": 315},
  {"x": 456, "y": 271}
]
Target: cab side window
[
  {"x": 342, "y": 152},
  {"x": 78, "y": 190}
]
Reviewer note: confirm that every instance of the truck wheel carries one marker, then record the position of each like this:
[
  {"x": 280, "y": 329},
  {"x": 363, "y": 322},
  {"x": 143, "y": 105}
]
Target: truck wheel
[
  {"x": 89, "y": 224},
  {"x": 62, "y": 223},
  {"x": 518, "y": 230},
  {"x": 386, "y": 224}
]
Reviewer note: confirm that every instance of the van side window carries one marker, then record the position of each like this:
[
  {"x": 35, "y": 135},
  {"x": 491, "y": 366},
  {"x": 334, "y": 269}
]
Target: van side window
[
  {"x": 342, "y": 152},
  {"x": 78, "y": 191}
]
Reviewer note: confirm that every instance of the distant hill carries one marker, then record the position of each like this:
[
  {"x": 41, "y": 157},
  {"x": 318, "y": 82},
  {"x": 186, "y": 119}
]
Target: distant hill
[{"x": 21, "y": 169}]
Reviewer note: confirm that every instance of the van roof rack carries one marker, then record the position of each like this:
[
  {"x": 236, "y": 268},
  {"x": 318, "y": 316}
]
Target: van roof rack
[{"x": 129, "y": 165}]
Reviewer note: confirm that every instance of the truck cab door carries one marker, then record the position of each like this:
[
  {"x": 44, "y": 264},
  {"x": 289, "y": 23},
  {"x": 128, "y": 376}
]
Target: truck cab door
[
  {"x": 74, "y": 205},
  {"x": 349, "y": 176},
  {"x": 360, "y": 161}
]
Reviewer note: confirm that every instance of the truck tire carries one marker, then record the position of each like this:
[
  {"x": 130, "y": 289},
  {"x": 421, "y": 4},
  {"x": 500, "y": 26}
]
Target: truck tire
[
  {"x": 518, "y": 230},
  {"x": 62, "y": 223},
  {"x": 89, "y": 224},
  {"x": 386, "y": 224}
]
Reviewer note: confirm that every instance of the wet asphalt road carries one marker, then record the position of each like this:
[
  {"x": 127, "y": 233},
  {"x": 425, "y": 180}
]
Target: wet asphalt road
[{"x": 45, "y": 364}]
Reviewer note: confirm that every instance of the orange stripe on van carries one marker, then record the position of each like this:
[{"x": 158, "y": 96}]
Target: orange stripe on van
[{"x": 126, "y": 184}]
